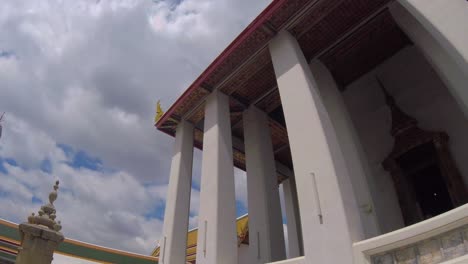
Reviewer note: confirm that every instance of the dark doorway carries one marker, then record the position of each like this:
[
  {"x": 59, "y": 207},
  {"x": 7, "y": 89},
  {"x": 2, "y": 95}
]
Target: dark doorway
[
  {"x": 431, "y": 194},
  {"x": 421, "y": 168},
  {"x": 424, "y": 173}
]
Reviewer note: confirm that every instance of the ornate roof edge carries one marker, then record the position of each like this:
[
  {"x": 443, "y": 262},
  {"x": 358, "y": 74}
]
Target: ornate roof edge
[{"x": 252, "y": 27}]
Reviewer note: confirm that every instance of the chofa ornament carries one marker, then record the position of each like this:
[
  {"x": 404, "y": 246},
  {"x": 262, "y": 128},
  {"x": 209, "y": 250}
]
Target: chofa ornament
[{"x": 47, "y": 214}]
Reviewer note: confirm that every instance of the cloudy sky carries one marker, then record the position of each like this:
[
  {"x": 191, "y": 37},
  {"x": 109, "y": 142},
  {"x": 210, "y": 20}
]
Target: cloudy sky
[{"x": 78, "y": 82}]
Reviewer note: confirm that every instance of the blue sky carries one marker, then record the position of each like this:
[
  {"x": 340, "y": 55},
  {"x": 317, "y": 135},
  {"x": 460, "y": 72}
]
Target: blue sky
[
  {"x": 79, "y": 81},
  {"x": 75, "y": 158},
  {"x": 81, "y": 159},
  {"x": 6, "y": 54}
]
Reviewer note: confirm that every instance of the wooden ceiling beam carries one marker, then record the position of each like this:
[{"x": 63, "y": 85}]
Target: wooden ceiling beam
[
  {"x": 264, "y": 95},
  {"x": 350, "y": 32},
  {"x": 239, "y": 68},
  {"x": 335, "y": 4},
  {"x": 299, "y": 16},
  {"x": 281, "y": 148},
  {"x": 269, "y": 28}
]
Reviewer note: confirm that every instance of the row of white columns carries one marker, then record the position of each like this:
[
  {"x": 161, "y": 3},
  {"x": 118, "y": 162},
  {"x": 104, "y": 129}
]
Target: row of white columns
[
  {"x": 321, "y": 135},
  {"x": 217, "y": 238}
]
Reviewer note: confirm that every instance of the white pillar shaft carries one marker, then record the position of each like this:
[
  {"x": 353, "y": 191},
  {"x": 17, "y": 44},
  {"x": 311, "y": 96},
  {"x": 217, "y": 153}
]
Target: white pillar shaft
[
  {"x": 174, "y": 241},
  {"x": 356, "y": 162},
  {"x": 293, "y": 218},
  {"x": 329, "y": 213},
  {"x": 266, "y": 236},
  {"x": 445, "y": 20},
  {"x": 438, "y": 29},
  {"x": 217, "y": 238}
]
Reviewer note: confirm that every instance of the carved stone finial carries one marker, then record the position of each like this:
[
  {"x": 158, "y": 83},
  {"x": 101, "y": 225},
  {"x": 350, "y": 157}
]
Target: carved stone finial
[
  {"x": 31, "y": 219},
  {"x": 58, "y": 226},
  {"x": 53, "y": 194},
  {"x": 40, "y": 235},
  {"x": 52, "y": 216},
  {"x": 47, "y": 214}
]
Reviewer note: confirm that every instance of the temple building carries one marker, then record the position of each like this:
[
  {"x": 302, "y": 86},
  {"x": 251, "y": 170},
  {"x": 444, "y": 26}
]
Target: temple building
[
  {"x": 70, "y": 251},
  {"x": 359, "y": 108},
  {"x": 242, "y": 228}
]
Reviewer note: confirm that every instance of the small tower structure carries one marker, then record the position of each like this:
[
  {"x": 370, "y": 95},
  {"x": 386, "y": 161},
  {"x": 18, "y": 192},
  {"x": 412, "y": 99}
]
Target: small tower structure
[{"x": 41, "y": 235}]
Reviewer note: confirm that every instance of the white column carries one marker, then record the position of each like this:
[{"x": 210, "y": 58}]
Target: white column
[
  {"x": 446, "y": 21},
  {"x": 217, "y": 238},
  {"x": 438, "y": 28},
  {"x": 266, "y": 236},
  {"x": 350, "y": 145},
  {"x": 293, "y": 219},
  {"x": 176, "y": 217},
  {"x": 329, "y": 213}
]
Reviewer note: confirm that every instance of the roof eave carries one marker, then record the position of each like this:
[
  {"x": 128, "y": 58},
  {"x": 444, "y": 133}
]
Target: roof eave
[{"x": 252, "y": 27}]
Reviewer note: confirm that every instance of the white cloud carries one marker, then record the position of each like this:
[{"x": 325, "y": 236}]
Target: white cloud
[{"x": 87, "y": 74}]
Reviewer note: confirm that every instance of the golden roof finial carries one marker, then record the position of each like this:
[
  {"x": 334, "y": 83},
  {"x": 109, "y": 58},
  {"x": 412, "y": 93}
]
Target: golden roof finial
[{"x": 159, "y": 112}]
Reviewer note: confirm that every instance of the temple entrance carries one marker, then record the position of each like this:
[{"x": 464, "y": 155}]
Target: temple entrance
[
  {"x": 431, "y": 194},
  {"x": 413, "y": 136},
  {"x": 426, "y": 178},
  {"x": 414, "y": 171},
  {"x": 421, "y": 168}
]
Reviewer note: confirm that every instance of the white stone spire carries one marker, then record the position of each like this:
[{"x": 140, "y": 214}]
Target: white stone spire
[
  {"x": 40, "y": 236},
  {"x": 47, "y": 214}
]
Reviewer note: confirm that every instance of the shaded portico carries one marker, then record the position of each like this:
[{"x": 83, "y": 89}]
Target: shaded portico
[{"x": 286, "y": 73}]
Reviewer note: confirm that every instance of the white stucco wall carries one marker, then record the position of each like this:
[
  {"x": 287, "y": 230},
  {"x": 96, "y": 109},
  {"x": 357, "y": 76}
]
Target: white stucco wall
[
  {"x": 350, "y": 146},
  {"x": 243, "y": 254},
  {"x": 419, "y": 92},
  {"x": 63, "y": 259}
]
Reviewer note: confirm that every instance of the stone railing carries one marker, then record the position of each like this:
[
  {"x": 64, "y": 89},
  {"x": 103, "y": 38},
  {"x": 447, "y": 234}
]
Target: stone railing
[
  {"x": 441, "y": 239},
  {"x": 299, "y": 260}
]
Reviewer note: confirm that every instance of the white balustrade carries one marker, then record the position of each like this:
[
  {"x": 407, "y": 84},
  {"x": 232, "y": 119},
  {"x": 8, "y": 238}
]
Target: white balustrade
[{"x": 441, "y": 239}]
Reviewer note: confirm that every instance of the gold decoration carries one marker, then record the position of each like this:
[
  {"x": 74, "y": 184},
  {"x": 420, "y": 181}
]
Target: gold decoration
[{"x": 159, "y": 112}]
